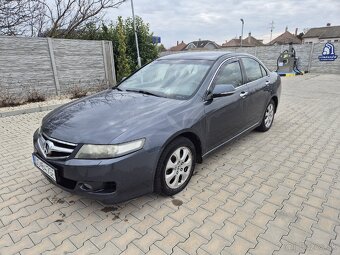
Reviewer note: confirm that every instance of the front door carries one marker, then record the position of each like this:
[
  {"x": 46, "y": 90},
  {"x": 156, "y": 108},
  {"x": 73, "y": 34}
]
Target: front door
[{"x": 224, "y": 116}]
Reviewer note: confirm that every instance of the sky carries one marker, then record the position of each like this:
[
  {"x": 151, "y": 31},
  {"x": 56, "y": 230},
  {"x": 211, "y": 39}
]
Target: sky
[{"x": 219, "y": 20}]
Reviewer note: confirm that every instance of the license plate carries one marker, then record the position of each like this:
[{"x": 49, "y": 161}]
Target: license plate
[{"x": 44, "y": 168}]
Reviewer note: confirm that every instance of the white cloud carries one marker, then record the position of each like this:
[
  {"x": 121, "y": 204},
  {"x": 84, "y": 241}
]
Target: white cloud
[{"x": 219, "y": 20}]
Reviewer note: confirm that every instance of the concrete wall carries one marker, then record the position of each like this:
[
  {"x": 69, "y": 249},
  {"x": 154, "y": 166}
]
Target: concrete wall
[
  {"x": 324, "y": 66},
  {"x": 307, "y": 53},
  {"x": 53, "y": 66}
]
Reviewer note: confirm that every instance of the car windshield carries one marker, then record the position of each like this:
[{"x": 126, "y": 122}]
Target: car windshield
[{"x": 177, "y": 79}]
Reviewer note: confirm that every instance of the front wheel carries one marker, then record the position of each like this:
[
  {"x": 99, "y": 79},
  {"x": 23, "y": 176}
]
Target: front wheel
[
  {"x": 176, "y": 166},
  {"x": 268, "y": 117}
]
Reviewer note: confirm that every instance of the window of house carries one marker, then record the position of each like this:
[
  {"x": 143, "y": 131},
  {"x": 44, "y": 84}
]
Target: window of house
[
  {"x": 253, "y": 69},
  {"x": 336, "y": 40},
  {"x": 230, "y": 73}
]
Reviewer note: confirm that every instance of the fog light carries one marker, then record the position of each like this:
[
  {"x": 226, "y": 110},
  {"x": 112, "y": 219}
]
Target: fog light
[
  {"x": 98, "y": 187},
  {"x": 86, "y": 186}
]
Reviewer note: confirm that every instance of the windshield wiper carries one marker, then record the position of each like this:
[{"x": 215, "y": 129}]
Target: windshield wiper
[
  {"x": 117, "y": 88},
  {"x": 143, "y": 92}
]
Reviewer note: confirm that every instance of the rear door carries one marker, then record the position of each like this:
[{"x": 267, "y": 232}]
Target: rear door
[
  {"x": 257, "y": 80},
  {"x": 224, "y": 115}
]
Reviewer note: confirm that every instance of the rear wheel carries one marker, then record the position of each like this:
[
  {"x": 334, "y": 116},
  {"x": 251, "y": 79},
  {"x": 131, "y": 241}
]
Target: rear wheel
[
  {"x": 268, "y": 117},
  {"x": 175, "y": 167}
]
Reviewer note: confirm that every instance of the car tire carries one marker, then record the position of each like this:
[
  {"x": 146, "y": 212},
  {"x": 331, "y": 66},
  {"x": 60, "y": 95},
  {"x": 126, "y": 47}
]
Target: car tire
[
  {"x": 176, "y": 166},
  {"x": 268, "y": 117}
]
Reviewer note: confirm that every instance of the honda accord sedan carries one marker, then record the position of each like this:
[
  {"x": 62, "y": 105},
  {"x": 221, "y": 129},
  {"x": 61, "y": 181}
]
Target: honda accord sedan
[{"x": 147, "y": 133}]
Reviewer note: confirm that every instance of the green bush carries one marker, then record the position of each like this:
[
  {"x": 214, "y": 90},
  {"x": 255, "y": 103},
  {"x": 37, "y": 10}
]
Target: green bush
[{"x": 122, "y": 36}]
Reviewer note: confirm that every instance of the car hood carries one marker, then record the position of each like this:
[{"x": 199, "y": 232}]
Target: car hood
[{"x": 101, "y": 118}]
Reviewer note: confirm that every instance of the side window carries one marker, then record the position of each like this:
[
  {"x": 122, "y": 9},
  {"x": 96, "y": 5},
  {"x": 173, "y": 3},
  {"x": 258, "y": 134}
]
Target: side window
[
  {"x": 229, "y": 74},
  {"x": 253, "y": 70},
  {"x": 264, "y": 72}
]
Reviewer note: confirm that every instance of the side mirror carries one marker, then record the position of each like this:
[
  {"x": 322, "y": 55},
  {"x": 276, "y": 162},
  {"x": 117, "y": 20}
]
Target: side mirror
[
  {"x": 222, "y": 90},
  {"x": 123, "y": 78}
]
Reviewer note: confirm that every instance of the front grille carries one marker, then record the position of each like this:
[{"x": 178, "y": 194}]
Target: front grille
[{"x": 53, "y": 148}]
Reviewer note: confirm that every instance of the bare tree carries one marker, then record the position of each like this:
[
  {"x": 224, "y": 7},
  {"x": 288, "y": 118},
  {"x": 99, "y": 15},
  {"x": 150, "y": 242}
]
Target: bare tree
[
  {"x": 53, "y": 18},
  {"x": 64, "y": 17},
  {"x": 16, "y": 16}
]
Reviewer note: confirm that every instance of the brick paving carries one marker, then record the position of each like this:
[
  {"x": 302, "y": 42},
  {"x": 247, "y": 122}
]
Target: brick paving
[{"x": 276, "y": 192}]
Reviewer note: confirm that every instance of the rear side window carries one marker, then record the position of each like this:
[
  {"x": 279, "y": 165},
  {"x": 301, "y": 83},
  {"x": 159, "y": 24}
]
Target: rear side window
[
  {"x": 230, "y": 73},
  {"x": 253, "y": 69}
]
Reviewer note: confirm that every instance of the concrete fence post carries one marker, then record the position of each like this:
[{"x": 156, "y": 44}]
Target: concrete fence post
[
  {"x": 310, "y": 57},
  {"x": 54, "y": 67},
  {"x": 105, "y": 62},
  {"x": 109, "y": 67},
  {"x": 112, "y": 61}
]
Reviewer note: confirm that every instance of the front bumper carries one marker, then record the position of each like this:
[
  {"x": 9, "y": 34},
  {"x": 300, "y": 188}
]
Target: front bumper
[{"x": 110, "y": 180}]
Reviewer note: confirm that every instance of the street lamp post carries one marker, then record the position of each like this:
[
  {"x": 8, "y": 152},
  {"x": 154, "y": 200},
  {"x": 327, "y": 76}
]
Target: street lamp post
[
  {"x": 136, "y": 37},
  {"x": 242, "y": 31}
]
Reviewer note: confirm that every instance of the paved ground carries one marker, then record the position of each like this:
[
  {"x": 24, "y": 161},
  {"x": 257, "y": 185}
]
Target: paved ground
[{"x": 267, "y": 192}]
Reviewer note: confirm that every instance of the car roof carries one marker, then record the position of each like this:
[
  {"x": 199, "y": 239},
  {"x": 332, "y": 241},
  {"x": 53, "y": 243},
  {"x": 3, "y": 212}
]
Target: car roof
[{"x": 202, "y": 55}]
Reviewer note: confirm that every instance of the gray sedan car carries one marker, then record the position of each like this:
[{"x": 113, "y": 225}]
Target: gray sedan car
[{"x": 147, "y": 133}]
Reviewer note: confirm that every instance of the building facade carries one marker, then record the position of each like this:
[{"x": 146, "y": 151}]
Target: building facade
[{"x": 322, "y": 34}]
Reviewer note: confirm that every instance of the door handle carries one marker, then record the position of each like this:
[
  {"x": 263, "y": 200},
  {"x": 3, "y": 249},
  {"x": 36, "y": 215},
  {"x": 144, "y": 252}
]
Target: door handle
[{"x": 243, "y": 94}]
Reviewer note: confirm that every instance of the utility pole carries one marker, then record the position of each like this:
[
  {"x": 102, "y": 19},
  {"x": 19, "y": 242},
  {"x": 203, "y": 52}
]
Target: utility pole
[
  {"x": 136, "y": 37},
  {"x": 242, "y": 31},
  {"x": 271, "y": 30}
]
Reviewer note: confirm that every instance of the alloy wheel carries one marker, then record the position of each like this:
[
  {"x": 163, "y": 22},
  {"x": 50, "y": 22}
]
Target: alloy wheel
[
  {"x": 178, "y": 167},
  {"x": 269, "y": 115}
]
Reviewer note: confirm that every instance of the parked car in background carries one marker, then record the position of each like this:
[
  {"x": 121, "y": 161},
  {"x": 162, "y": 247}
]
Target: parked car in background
[{"x": 148, "y": 133}]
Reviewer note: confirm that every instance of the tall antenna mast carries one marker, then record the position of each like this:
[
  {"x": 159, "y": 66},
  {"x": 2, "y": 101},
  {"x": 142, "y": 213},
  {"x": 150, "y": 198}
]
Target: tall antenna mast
[{"x": 271, "y": 30}]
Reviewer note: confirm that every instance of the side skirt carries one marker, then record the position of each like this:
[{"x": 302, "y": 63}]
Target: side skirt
[{"x": 229, "y": 140}]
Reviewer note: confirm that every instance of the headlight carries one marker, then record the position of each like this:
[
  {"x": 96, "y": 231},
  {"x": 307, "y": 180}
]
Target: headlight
[{"x": 90, "y": 151}]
